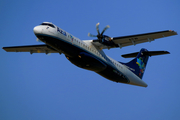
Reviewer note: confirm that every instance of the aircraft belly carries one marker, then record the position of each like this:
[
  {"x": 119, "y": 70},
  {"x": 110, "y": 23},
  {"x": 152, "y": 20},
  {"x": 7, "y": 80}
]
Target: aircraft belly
[
  {"x": 83, "y": 59},
  {"x": 113, "y": 75},
  {"x": 59, "y": 45},
  {"x": 75, "y": 55},
  {"x": 87, "y": 61}
]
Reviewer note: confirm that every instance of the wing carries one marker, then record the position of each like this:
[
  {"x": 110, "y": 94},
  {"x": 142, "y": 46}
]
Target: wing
[
  {"x": 31, "y": 48},
  {"x": 135, "y": 39}
]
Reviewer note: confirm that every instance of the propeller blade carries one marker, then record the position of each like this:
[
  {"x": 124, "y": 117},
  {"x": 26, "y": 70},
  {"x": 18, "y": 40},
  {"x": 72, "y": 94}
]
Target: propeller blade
[
  {"x": 97, "y": 28},
  {"x": 99, "y": 36},
  {"x": 90, "y": 35},
  {"x": 105, "y": 29}
]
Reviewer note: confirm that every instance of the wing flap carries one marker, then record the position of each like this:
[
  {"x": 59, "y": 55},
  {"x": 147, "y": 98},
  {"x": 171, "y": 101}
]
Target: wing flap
[{"x": 31, "y": 48}]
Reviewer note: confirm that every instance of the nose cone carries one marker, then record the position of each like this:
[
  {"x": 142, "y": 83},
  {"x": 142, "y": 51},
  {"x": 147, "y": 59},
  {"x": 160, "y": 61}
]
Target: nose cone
[{"x": 37, "y": 30}]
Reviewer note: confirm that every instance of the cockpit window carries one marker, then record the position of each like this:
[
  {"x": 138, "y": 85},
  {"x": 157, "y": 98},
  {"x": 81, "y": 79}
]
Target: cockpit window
[{"x": 48, "y": 24}]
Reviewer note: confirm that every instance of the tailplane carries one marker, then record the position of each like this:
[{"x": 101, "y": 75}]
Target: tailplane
[{"x": 138, "y": 64}]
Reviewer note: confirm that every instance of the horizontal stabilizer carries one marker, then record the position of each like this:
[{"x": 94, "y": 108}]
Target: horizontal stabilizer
[{"x": 149, "y": 53}]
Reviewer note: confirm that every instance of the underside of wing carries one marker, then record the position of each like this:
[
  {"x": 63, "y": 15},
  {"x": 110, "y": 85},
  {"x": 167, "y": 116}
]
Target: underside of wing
[
  {"x": 135, "y": 39},
  {"x": 31, "y": 48}
]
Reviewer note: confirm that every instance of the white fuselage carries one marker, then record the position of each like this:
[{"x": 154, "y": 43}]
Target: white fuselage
[{"x": 88, "y": 47}]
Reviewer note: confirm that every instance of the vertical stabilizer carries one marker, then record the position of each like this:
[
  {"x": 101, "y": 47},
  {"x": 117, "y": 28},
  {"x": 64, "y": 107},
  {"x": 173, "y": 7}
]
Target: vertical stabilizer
[{"x": 138, "y": 64}]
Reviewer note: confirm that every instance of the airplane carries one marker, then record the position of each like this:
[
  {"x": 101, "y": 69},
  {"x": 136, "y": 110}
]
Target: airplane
[{"x": 88, "y": 54}]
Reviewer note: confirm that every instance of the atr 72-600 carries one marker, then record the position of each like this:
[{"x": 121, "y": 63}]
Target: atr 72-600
[{"x": 88, "y": 54}]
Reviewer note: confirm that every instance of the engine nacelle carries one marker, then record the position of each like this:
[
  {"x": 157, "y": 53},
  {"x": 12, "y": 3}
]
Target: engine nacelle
[{"x": 106, "y": 40}]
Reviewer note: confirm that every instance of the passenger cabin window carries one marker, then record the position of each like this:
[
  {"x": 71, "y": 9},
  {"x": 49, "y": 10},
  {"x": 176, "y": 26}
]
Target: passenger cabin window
[{"x": 48, "y": 24}]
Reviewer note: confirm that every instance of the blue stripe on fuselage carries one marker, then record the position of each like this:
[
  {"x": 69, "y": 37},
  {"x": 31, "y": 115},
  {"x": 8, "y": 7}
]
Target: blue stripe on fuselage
[{"x": 81, "y": 49}]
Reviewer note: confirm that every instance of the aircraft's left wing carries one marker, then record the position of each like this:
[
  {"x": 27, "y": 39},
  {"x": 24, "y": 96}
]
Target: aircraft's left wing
[
  {"x": 31, "y": 48},
  {"x": 135, "y": 39}
]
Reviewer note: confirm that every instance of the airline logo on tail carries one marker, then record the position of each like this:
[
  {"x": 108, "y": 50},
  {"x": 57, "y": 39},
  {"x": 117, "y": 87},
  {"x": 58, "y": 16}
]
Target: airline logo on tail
[{"x": 141, "y": 65}]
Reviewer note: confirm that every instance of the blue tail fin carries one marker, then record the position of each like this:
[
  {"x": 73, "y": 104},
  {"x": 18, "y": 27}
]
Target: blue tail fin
[{"x": 138, "y": 64}]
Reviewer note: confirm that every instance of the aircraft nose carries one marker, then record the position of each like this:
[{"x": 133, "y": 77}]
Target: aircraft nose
[{"x": 37, "y": 30}]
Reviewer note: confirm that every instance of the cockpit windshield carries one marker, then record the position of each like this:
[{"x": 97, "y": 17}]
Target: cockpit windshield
[{"x": 48, "y": 24}]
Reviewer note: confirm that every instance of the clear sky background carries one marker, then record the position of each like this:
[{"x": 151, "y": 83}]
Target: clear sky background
[{"x": 49, "y": 87}]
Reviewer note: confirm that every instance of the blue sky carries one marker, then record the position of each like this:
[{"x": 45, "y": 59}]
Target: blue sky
[{"x": 49, "y": 87}]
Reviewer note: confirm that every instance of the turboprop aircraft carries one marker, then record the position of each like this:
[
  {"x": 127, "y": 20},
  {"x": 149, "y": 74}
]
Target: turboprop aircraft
[{"x": 88, "y": 54}]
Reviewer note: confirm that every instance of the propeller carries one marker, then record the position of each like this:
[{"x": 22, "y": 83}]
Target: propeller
[{"x": 99, "y": 35}]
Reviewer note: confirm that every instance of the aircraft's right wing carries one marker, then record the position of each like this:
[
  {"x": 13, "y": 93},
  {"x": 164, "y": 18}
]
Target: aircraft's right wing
[
  {"x": 141, "y": 38},
  {"x": 31, "y": 48},
  {"x": 124, "y": 41}
]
